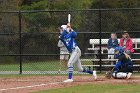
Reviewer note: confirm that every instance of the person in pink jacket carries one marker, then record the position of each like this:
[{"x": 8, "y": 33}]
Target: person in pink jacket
[{"x": 126, "y": 43}]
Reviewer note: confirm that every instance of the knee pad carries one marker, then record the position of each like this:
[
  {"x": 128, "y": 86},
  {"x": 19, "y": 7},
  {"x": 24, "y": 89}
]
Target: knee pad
[{"x": 119, "y": 75}]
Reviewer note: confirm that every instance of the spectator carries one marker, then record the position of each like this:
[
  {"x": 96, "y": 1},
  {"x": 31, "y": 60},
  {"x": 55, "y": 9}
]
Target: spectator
[
  {"x": 112, "y": 44},
  {"x": 126, "y": 43},
  {"x": 64, "y": 54}
]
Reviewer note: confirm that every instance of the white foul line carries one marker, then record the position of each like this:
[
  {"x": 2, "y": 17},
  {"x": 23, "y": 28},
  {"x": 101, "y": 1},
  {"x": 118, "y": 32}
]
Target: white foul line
[{"x": 30, "y": 86}]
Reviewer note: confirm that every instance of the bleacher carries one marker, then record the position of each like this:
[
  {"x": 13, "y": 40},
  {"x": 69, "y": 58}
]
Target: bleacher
[
  {"x": 95, "y": 47},
  {"x": 94, "y": 42}
]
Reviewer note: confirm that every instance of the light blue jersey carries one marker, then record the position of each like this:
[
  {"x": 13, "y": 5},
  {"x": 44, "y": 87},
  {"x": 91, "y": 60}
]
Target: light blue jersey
[{"x": 68, "y": 38}]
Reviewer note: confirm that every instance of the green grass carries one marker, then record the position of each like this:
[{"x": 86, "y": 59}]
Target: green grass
[
  {"x": 9, "y": 67},
  {"x": 97, "y": 88},
  {"x": 31, "y": 66},
  {"x": 18, "y": 75},
  {"x": 41, "y": 66},
  {"x": 34, "y": 66}
]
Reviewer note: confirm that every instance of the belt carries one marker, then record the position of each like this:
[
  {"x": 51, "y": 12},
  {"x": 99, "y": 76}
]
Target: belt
[{"x": 73, "y": 49}]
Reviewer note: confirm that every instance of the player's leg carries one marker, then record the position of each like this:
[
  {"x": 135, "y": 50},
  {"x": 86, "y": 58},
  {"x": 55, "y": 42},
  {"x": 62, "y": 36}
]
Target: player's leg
[
  {"x": 119, "y": 75},
  {"x": 81, "y": 69},
  {"x": 109, "y": 52},
  {"x": 77, "y": 59},
  {"x": 122, "y": 75},
  {"x": 129, "y": 69},
  {"x": 86, "y": 70},
  {"x": 112, "y": 56},
  {"x": 79, "y": 66},
  {"x": 75, "y": 55},
  {"x": 112, "y": 52},
  {"x": 117, "y": 66},
  {"x": 73, "y": 58}
]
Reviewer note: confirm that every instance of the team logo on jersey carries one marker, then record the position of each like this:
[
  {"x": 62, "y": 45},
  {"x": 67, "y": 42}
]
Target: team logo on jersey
[{"x": 67, "y": 39}]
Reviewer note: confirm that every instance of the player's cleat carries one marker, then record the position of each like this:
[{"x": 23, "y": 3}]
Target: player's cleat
[
  {"x": 68, "y": 80},
  {"x": 128, "y": 75},
  {"x": 94, "y": 75}
]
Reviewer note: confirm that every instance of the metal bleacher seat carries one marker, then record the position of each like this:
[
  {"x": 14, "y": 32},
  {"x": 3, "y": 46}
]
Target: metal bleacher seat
[{"x": 94, "y": 42}]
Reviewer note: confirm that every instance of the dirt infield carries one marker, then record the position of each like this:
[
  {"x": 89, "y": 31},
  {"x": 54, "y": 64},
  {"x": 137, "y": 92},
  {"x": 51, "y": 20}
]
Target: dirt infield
[{"x": 37, "y": 83}]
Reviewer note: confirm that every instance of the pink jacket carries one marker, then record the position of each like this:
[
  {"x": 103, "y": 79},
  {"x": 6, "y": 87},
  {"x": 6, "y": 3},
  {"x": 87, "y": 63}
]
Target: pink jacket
[{"x": 129, "y": 44}]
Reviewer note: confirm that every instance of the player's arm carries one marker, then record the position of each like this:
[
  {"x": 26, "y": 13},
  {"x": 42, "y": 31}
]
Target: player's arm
[
  {"x": 69, "y": 26},
  {"x": 121, "y": 58},
  {"x": 63, "y": 34},
  {"x": 73, "y": 33},
  {"x": 126, "y": 55},
  {"x": 60, "y": 43},
  {"x": 66, "y": 31}
]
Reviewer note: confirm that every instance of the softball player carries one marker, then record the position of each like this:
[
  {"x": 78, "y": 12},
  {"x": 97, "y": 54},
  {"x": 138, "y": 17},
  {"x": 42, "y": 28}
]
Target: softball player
[
  {"x": 64, "y": 55},
  {"x": 68, "y": 38},
  {"x": 124, "y": 65}
]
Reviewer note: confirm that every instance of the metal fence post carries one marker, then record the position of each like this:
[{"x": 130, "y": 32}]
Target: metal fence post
[
  {"x": 20, "y": 46},
  {"x": 100, "y": 36}
]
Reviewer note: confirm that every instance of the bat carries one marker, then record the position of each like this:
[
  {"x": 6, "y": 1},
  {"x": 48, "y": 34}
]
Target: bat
[{"x": 69, "y": 18}]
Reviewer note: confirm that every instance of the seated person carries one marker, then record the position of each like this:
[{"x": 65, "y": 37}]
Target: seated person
[
  {"x": 124, "y": 66},
  {"x": 112, "y": 44},
  {"x": 64, "y": 54},
  {"x": 126, "y": 43}
]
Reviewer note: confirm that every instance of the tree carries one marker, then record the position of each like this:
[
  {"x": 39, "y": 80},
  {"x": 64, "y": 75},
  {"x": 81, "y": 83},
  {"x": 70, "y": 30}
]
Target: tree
[{"x": 49, "y": 21}]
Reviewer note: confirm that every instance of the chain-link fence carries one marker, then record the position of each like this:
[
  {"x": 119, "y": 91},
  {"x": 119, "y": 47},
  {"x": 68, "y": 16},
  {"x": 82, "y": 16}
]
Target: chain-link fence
[{"x": 28, "y": 39}]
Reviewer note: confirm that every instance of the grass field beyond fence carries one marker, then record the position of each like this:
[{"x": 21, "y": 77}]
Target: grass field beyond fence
[
  {"x": 34, "y": 66},
  {"x": 31, "y": 66}
]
